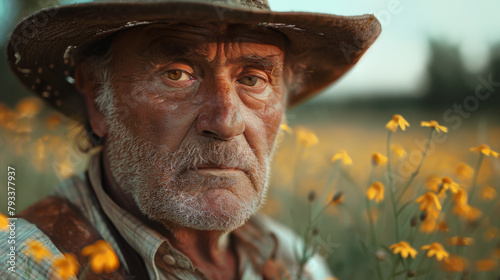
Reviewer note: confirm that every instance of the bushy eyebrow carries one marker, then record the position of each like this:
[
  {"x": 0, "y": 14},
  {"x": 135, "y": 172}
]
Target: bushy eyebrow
[
  {"x": 269, "y": 63},
  {"x": 161, "y": 51}
]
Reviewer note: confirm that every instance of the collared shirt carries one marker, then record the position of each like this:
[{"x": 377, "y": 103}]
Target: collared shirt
[{"x": 255, "y": 241}]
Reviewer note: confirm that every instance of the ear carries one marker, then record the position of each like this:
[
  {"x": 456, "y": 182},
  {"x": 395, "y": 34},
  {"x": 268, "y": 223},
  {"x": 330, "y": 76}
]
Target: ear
[{"x": 87, "y": 85}]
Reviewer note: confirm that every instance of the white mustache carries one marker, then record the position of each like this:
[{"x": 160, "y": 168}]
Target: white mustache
[{"x": 212, "y": 152}]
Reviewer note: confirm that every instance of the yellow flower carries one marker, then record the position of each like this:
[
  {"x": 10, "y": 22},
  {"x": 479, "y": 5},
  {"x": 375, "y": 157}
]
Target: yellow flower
[
  {"x": 464, "y": 171},
  {"x": 460, "y": 197},
  {"x": 3, "y": 222},
  {"x": 435, "y": 125},
  {"x": 442, "y": 226},
  {"x": 66, "y": 265},
  {"x": 378, "y": 159},
  {"x": 454, "y": 263},
  {"x": 398, "y": 150},
  {"x": 342, "y": 155},
  {"x": 404, "y": 249},
  {"x": 53, "y": 121},
  {"x": 305, "y": 137},
  {"x": 485, "y": 150},
  {"x": 491, "y": 233},
  {"x": 428, "y": 201},
  {"x": 7, "y": 117},
  {"x": 448, "y": 184},
  {"x": 429, "y": 224},
  {"x": 397, "y": 120},
  {"x": 460, "y": 241},
  {"x": 488, "y": 193},
  {"x": 441, "y": 185},
  {"x": 471, "y": 213},
  {"x": 436, "y": 249},
  {"x": 432, "y": 212},
  {"x": 28, "y": 107},
  {"x": 486, "y": 265},
  {"x": 433, "y": 182},
  {"x": 102, "y": 257},
  {"x": 460, "y": 209},
  {"x": 376, "y": 192},
  {"x": 38, "y": 250}
]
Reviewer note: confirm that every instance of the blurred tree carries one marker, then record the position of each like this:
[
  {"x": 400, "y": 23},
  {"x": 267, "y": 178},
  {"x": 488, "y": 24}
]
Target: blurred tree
[
  {"x": 494, "y": 67},
  {"x": 450, "y": 82},
  {"x": 447, "y": 76}
]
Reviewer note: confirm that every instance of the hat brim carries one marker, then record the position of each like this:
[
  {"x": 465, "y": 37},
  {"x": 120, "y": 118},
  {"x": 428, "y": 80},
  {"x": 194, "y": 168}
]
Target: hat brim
[{"x": 42, "y": 48}]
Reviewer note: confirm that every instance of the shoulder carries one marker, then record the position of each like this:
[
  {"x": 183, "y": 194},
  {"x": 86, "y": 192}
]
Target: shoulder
[
  {"x": 17, "y": 259},
  {"x": 76, "y": 190},
  {"x": 289, "y": 243}
]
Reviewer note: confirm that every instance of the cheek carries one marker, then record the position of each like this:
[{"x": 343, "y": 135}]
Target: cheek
[
  {"x": 266, "y": 123},
  {"x": 273, "y": 113},
  {"x": 158, "y": 120}
]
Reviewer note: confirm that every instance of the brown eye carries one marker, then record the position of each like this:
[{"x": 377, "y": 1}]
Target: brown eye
[
  {"x": 249, "y": 80},
  {"x": 177, "y": 75},
  {"x": 174, "y": 74}
]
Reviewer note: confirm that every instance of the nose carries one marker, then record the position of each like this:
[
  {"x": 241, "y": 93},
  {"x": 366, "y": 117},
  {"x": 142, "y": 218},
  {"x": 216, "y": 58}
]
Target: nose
[{"x": 221, "y": 117}]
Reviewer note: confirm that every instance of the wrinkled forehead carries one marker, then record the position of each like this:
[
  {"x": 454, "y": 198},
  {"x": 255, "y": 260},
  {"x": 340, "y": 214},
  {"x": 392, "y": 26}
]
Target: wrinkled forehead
[{"x": 194, "y": 35}]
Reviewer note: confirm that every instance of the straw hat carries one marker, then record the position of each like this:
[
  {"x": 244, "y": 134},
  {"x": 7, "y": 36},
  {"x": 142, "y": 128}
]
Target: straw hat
[{"x": 46, "y": 46}]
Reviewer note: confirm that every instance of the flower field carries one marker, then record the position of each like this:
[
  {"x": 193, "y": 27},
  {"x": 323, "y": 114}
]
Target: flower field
[{"x": 393, "y": 197}]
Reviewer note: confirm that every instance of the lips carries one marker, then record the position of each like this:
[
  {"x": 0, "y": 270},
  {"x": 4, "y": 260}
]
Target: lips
[{"x": 214, "y": 166}]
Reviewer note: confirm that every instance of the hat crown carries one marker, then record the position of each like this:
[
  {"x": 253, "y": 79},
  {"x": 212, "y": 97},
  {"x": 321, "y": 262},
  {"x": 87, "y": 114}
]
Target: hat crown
[{"x": 246, "y": 4}]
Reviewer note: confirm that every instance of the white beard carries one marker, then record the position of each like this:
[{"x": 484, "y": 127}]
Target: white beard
[{"x": 166, "y": 186}]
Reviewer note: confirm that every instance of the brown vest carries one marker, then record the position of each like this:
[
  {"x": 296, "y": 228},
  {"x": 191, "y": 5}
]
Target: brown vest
[{"x": 70, "y": 231}]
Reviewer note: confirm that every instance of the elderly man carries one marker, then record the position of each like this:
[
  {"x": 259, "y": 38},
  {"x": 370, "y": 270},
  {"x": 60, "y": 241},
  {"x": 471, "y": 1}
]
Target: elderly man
[{"x": 185, "y": 100}]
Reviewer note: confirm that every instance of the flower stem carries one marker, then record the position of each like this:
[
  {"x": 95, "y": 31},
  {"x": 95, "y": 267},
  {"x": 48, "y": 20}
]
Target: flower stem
[
  {"x": 314, "y": 219},
  {"x": 391, "y": 187},
  {"x": 370, "y": 218},
  {"x": 373, "y": 238},
  {"x": 296, "y": 186},
  {"x": 414, "y": 174},
  {"x": 308, "y": 234},
  {"x": 420, "y": 264},
  {"x": 296, "y": 169},
  {"x": 354, "y": 183},
  {"x": 395, "y": 265},
  {"x": 476, "y": 174},
  {"x": 330, "y": 182},
  {"x": 389, "y": 171}
]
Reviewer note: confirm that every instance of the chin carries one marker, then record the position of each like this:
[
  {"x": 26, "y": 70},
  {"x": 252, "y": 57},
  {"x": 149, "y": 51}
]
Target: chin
[{"x": 208, "y": 203}]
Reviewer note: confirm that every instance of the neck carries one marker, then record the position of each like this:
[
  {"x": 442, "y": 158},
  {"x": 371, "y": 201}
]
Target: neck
[
  {"x": 210, "y": 247},
  {"x": 208, "y": 250}
]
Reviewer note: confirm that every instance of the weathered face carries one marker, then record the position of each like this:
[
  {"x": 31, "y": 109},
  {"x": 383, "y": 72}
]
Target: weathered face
[{"x": 192, "y": 114}]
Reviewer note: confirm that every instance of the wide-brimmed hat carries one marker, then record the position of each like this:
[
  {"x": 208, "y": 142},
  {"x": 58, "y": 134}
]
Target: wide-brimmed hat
[{"x": 45, "y": 47}]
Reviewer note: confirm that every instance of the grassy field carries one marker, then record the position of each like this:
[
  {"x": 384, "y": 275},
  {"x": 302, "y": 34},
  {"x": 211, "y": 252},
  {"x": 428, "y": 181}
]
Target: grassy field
[{"x": 354, "y": 233}]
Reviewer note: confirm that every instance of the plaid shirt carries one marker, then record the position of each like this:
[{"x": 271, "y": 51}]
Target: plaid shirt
[{"x": 254, "y": 242}]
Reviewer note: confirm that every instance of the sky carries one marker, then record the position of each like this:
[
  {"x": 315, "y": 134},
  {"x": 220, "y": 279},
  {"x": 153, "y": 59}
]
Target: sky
[
  {"x": 396, "y": 63},
  {"x": 397, "y": 60}
]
